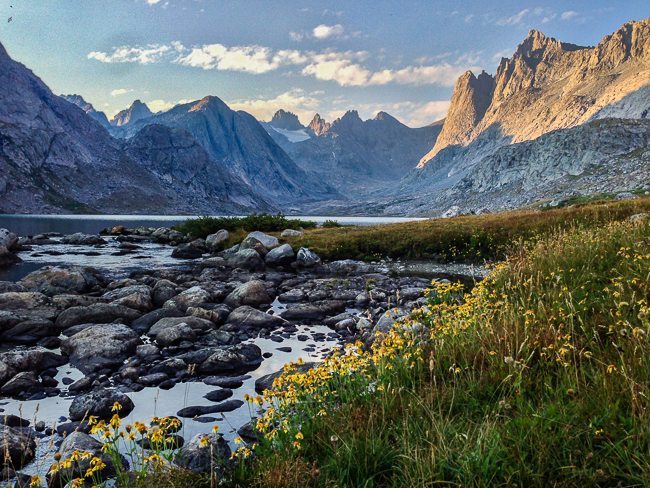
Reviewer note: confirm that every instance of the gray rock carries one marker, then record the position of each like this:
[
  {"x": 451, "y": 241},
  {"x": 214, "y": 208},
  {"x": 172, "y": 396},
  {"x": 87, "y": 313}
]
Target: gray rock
[
  {"x": 100, "y": 404},
  {"x": 248, "y": 316},
  {"x": 100, "y": 346},
  {"x": 231, "y": 359},
  {"x": 307, "y": 258},
  {"x": 28, "y": 305},
  {"x": 246, "y": 259},
  {"x": 34, "y": 359},
  {"x": 196, "y": 457},
  {"x": 214, "y": 241},
  {"x": 57, "y": 280},
  {"x": 81, "y": 239},
  {"x": 20, "y": 385},
  {"x": 100, "y": 313},
  {"x": 291, "y": 233},
  {"x": 292, "y": 296},
  {"x": 197, "y": 325},
  {"x": 8, "y": 239},
  {"x": 313, "y": 311},
  {"x": 252, "y": 293},
  {"x": 280, "y": 256},
  {"x": 195, "y": 411},
  {"x": 218, "y": 395},
  {"x": 189, "y": 298},
  {"x": 163, "y": 290},
  {"x": 387, "y": 321},
  {"x": 187, "y": 251},
  {"x": 266, "y": 382},
  {"x": 144, "y": 323},
  {"x": 18, "y": 447},
  {"x": 147, "y": 351},
  {"x": 269, "y": 242},
  {"x": 126, "y": 291},
  {"x": 82, "y": 442},
  {"x": 174, "y": 334}
]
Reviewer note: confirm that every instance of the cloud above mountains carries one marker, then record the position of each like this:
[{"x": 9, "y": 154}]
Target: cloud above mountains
[{"x": 346, "y": 68}]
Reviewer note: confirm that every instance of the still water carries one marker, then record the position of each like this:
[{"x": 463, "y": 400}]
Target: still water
[{"x": 25, "y": 225}]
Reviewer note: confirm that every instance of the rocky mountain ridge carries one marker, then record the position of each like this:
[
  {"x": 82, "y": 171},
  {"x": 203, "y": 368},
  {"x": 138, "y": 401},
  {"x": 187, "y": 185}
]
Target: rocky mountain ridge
[{"x": 137, "y": 111}]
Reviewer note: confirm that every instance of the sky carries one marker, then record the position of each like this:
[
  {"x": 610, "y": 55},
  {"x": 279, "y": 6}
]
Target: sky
[{"x": 402, "y": 57}]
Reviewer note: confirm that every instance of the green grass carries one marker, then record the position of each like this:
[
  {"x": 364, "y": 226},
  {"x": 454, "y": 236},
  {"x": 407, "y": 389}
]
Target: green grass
[
  {"x": 538, "y": 377},
  {"x": 203, "y": 226},
  {"x": 466, "y": 238}
]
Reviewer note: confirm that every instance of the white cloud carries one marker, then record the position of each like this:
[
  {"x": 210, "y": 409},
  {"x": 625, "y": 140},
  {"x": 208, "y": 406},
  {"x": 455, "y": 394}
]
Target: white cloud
[
  {"x": 569, "y": 15},
  {"x": 514, "y": 19},
  {"x": 160, "y": 105},
  {"x": 296, "y": 36},
  {"x": 428, "y": 113},
  {"x": 339, "y": 67},
  {"x": 153, "y": 2},
  {"x": 324, "y": 31},
  {"x": 296, "y": 101},
  {"x": 505, "y": 53},
  {"x": 148, "y": 54},
  {"x": 251, "y": 59},
  {"x": 120, "y": 91}
]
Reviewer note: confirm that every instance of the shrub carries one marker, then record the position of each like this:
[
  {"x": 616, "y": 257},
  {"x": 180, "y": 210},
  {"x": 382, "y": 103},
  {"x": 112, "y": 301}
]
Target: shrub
[{"x": 203, "y": 226}]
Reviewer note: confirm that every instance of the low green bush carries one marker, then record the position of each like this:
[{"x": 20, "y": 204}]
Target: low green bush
[{"x": 203, "y": 226}]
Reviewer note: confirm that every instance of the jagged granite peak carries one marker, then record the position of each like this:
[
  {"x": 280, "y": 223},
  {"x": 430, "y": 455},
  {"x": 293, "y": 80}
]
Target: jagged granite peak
[
  {"x": 87, "y": 107},
  {"x": 286, "y": 120},
  {"x": 318, "y": 125},
  {"x": 548, "y": 85},
  {"x": 471, "y": 98},
  {"x": 135, "y": 112}
]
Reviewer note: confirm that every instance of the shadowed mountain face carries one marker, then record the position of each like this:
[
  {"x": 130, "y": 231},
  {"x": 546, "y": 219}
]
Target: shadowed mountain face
[
  {"x": 56, "y": 158},
  {"x": 239, "y": 143},
  {"x": 137, "y": 111},
  {"x": 352, "y": 154},
  {"x": 89, "y": 109}
]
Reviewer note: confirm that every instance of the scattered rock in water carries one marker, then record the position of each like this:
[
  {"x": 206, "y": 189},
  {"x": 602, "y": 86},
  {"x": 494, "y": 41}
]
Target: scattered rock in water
[
  {"x": 251, "y": 317},
  {"x": 218, "y": 395},
  {"x": 191, "y": 297},
  {"x": 100, "y": 346},
  {"x": 57, "y": 280},
  {"x": 196, "y": 324},
  {"x": 226, "y": 381},
  {"x": 99, "y": 313},
  {"x": 241, "y": 357},
  {"x": 196, "y": 411},
  {"x": 81, "y": 239},
  {"x": 313, "y": 311},
  {"x": 253, "y": 293},
  {"x": 187, "y": 251},
  {"x": 199, "y": 458},
  {"x": 266, "y": 382},
  {"x": 100, "y": 404},
  {"x": 18, "y": 447}
]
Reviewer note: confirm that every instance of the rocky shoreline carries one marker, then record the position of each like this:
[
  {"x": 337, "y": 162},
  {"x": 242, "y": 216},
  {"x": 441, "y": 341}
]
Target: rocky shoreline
[{"x": 162, "y": 327}]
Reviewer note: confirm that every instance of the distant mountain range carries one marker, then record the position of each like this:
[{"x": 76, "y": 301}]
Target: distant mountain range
[{"x": 554, "y": 121}]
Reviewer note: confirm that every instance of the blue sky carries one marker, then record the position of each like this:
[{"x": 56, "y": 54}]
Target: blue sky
[{"x": 307, "y": 56}]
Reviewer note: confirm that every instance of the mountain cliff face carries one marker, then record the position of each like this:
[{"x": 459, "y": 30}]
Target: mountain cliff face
[
  {"x": 286, "y": 120},
  {"x": 353, "y": 154},
  {"x": 89, "y": 109},
  {"x": 548, "y": 85},
  {"x": 239, "y": 143},
  {"x": 137, "y": 111},
  {"x": 54, "y": 157}
]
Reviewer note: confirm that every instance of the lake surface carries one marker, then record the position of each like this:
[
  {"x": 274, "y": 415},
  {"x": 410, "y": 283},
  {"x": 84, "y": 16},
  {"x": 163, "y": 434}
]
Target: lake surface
[{"x": 26, "y": 225}]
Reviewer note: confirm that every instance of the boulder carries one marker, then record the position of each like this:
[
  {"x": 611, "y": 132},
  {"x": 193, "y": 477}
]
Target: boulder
[
  {"x": 100, "y": 404},
  {"x": 175, "y": 334},
  {"x": 20, "y": 386},
  {"x": 241, "y": 357},
  {"x": 163, "y": 290},
  {"x": 291, "y": 233},
  {"x": 313, "y": 311},
  {"x": 197, "y": 325},
  {"x": 18, "y": 447},
  {"x": 214, "y": 241},
  {"x": 144, "y": 323},
  {"x": 8, "y": 239},
  {"x": 100, "y": 346},
  {"x": 100, "y": 313},
  {"x": 387, "y": 321},
  {"x": 28, "y": 304},
  {"x": 35, "y": 359},
  {"x": 117, "y": 293},
  {"x": 307, "y": 258},
  {"x": 187, "y": 251},
  {"x": 57, "y": 280},
  {"x": 252, "y": 293},
  {"x": 269, "y": 242},
  {"x": 81, "y": 239},
  {"x": 29, "y": 331},
  {"x": 280, "y": 256},
  {"x": 195, "y": 411},
  {"x": 77, "y": 441},
  {"x": 200, "y": 456},
  {"x": 246, "y": 259},
  {"x": 189, "y": 298},
  {"x": 251, "y": 317}
]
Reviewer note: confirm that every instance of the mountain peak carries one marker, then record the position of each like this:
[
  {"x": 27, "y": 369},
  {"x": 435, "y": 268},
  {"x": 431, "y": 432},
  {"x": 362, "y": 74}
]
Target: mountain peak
[
  {"x": 138, "y": 110},
  {"x": 209, "y": 102},
  {"x": 286, "y": 120},
  {"x": 318, "y": 125}
]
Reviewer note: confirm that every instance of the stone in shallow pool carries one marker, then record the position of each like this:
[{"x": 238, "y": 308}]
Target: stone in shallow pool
[
  {"x": 100, "y": 404},
  {"x": 18, "y": 447},
  {"x": 218, "y": 395},
  {"x": 198, "y": 458},
  {"x": 195, "y": 411}
]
